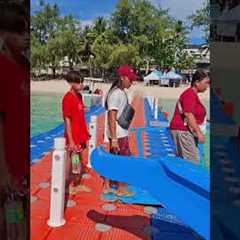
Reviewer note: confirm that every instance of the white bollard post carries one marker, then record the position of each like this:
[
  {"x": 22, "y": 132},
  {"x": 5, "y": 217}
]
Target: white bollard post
[
  {"x": 103, "y": 101},
  {"x": 149, "y": 100},
  {"x": 152, "y": 103},
  {"x": 58, "y": 184},
  {"x": 156, "y": 108},
  {"x": 93, "y": 133}
]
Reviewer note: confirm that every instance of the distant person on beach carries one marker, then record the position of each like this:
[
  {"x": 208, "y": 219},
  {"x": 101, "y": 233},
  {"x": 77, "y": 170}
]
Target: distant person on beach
[
  {"x": 14, "y": 117},
  {"x": 76, "y": 132},
  {"x": 116, "y": 102},
  {"x": 189, "y": 119},
  {"x": 86, "y": 89}
]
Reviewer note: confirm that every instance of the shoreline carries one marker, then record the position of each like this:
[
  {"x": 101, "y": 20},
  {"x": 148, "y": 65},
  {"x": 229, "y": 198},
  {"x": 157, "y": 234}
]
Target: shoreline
[{"x": 59, "y": 87}]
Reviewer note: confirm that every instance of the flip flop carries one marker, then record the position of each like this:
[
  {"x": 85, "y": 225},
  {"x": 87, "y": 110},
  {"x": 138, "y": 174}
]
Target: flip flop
[
  {"x": 125, "y": 194},
  {"x": 109, "y": 190}
]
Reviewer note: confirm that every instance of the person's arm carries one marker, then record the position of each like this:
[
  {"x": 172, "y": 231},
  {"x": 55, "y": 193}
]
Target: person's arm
[
  {"x": 67, "y": 113},
  {"x": 113, "y": 102},
  {"x": 72, "y": 145},
  {"x": 188, "y": 103},
  {"x": 191, "y": 121},
  {"x": 112, "y": 119},
  {"x": 112, "y": 124}
]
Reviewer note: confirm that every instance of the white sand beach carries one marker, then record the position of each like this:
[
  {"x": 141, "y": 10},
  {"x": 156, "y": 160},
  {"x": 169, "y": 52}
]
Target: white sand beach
[{"x": 61, "y": 86}]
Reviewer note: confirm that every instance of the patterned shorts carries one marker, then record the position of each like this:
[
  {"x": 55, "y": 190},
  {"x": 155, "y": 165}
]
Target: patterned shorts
[{"x": 124, "y": 149}]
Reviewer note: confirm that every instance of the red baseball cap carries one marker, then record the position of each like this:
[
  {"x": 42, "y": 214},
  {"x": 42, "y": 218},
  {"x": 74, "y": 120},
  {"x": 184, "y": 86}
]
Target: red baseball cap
[{"x": 127, "y": 71}]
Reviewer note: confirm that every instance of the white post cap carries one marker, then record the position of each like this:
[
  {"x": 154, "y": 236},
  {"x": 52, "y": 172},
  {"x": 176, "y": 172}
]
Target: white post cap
[{"x": 59, "y": 143}]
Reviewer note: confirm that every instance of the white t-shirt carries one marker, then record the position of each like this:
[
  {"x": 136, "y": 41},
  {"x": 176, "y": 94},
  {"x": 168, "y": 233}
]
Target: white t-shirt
[{"x": 117, "y": 100}]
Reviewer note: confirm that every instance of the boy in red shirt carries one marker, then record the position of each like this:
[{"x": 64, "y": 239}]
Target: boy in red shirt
[{"x": 76, "y": 132}]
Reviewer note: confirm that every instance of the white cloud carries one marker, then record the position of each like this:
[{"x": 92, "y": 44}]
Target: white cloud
[
  {"x": 179, "y": 9},
  {"x": 90, "y": 22},
  {"x": 86, "y": 23}
]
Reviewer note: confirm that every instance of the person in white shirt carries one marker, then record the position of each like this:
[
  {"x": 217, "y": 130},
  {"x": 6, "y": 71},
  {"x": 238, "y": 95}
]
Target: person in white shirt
[{"x": 116, "y": 101}]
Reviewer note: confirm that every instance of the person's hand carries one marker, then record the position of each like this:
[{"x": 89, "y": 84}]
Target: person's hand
[
  {"x": 72, "y": 147},
  {"x": 200, "y": 137},
  {"x": 83, "y": 146},
  {"x": 114, "y": 146}
]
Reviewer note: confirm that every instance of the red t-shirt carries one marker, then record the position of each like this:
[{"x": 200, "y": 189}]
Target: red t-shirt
[
  {"x": 190, "y": 103},
  {"x": 73, "y": 108},
  {"x": 15, "y": 112}
]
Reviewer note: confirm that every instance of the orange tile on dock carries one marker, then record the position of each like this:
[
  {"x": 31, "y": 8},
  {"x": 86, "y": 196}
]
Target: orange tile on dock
[
  {"x": 73, "y": 231},
  {"x": 139, "y": 119}
]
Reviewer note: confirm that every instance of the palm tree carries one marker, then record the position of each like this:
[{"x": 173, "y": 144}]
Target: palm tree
[
  {"x": 179, "y": 28},
  {"x": 100, "y": 25},
  {"x": 87, "y": 55}
]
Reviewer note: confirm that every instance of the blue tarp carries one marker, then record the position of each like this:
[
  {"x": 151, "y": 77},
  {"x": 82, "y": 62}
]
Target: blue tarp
[
  {"x": 154, "y": 75},
  {"x": 180, "y": 186},
  {"x": 185, "y": 195},
  {"x": 171, "y": 75}
]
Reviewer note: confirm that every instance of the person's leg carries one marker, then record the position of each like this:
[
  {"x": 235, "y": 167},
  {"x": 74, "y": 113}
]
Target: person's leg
[
  {"x": 124, "y": 147},
  {"x": 107, "y": 184},
  {"x": 189, "y": 146},
  {"x": 174, "y": 134},
  {"x": 84, "y": 161},
  {"x": 68, "y": 168},
  {"x": 77, "y": 169}
]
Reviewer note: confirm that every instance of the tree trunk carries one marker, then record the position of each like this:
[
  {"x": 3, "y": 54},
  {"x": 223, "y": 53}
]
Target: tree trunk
[
  {"x": 70, "y": 65},
  {"x": 54, "y": 72},
  {"x": 147, "y": 68}
]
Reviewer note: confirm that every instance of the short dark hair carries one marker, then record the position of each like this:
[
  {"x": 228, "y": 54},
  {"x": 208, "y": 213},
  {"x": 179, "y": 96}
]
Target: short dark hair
[
  {"x": 199, "y": 75},
  {"x": 73, "y": 77}
]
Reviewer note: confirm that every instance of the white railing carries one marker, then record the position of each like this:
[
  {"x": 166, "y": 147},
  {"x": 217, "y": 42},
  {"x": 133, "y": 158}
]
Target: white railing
[
  {"x": 58, "y": 177},
  {"x": 93, "y": 139},
  {"x": 92, "y": 99},
  {"x": 57, "y": 201}
]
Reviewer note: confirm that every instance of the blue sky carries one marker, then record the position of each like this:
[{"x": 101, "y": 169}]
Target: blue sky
[{"x": 87, "y": 10}]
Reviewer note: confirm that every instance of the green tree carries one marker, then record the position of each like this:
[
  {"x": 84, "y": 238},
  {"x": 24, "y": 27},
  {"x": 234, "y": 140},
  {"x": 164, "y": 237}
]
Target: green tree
[
  {"x": 55, "y": 38},
  {"x": 45, "y": 22},
  {"x": 38, "y": 56},
  {"x": 100, "y": 25},
  {"x": 121, "y": 20},
  {"x": 201, "y": 18},
  {"x": 124, "y": 54},
  {"x": 138, "y": 33},
  {"x": 152, "y": 31},
  {"x": 69, "y": 35},
  {"x": 102, "y": 50},
  {"x": 54, "y": 54}
]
